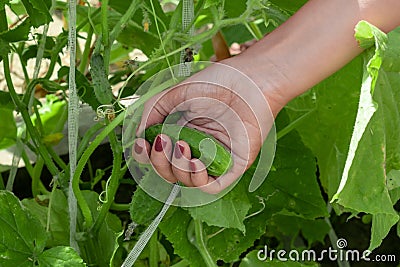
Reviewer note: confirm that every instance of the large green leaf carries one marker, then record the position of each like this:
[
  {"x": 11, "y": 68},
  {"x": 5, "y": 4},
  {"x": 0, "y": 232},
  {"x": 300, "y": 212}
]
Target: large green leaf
[
  {"x": 228, "y": 212},
  {"x": 291, "y": 185},
  {"x": 38, "y": 11},
  {"x": 8, "y": 127},
  {"x": 58, "y": 226},
  {"x": 374, "y": 142},
  {"x": 175, "y": 229},
  {"x": 19, "y": 33},
  {"x": 288, "y": 225},
  {"x": 60, "y": 256},
  {"x": 365, "y": 187},
  {"x": 103, "y": 245},
  {"x": 22, "y": 237}
]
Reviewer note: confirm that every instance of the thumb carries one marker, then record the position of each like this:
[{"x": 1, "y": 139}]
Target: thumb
[{"x": 157, "y": 108}]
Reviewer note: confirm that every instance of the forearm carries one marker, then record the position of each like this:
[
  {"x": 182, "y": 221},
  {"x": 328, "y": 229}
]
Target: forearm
[{"x": 314, "y": 43}]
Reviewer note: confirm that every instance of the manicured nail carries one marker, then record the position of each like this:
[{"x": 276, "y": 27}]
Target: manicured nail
[
  {"x": 192, "y": 166},
  {"x": 138, "y": 149},
  {"x": 178, "y": 151},
  {"x": 159, "y": 144}
]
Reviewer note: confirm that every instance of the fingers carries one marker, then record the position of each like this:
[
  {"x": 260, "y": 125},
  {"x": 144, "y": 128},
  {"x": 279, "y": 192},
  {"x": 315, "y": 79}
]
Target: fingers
[
  {"x": 141, "y": 151},
  {"x": 160, "y": 157},
  {"x": 174, "y": 163},
  {"x": 180, "y": 163}
]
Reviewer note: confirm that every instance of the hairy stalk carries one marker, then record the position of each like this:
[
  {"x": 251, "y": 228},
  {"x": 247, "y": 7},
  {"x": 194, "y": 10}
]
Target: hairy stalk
[
  {"x": 201, "y": 246},
  {"x": 112, "y": 188}
]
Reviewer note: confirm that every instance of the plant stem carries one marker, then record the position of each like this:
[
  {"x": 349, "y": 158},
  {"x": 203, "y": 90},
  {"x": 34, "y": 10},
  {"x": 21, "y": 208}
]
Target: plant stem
[
  {"x": 124, "y": 20},
  {"x": 57, "y": 158},
  {"x": 29, "y": 126},
  {"x": 37, "y": 171},
  {"x": 254, "y": 30},
  {"x": 153, "y": 250},
  {"x": 113, "y": 183},
  {"x": 201, "y": 246},
  {"x": 19, "y": 50},
  {"x": 105, "y": 34},
  {"x": 86, "y": 51},
  {"x": 119, "y": 207}
]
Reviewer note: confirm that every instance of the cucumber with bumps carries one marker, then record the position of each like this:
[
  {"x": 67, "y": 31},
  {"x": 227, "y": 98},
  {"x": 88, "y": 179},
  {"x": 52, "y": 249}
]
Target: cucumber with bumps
[{"x": 203, "y": 146}]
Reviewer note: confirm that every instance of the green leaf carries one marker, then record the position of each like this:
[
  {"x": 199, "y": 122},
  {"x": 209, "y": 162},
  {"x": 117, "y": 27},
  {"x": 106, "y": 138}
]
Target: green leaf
[
  {"x": 19, "y": 33},
  {"x": 227, "y": 212},
  {"x": 252, "y": 260},
  {"x": 175, "y": 229},
  {"x": 8, "y": 128},
  {"x": 290, "y": 5},
  {"x": 60, "y": 256},
  {"x": 289, "y": 225},
  {"x": 4, "y": 49},
  {"x": 143, "y": 208},
  {"x": 291, "y": 185},
  {"x": 38, "y": 11},
  {"x": 58, "y": 225},
  {"x": 22, "y": 237},
  {"x": 102, "y": 246},
  {"x": 364, "y": 189},
  {"x": 53, "y": 115}
]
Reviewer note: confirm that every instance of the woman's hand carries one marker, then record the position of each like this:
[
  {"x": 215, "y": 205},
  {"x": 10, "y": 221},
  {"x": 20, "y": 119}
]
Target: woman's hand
[{"x": 220, "y": 101}]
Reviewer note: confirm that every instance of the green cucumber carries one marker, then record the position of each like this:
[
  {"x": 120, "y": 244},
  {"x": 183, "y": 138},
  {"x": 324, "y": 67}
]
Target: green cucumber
[{"x": 203, "y": 146}]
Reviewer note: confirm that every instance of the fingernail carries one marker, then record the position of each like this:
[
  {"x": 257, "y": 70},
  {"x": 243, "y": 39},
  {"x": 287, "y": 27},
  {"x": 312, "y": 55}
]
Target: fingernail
[
  {"x": 159, "y": 144},
  {"x": 192, "y": 166},
  {"x": 178, "y": 151},
  {"x": 138, "y": 149}
]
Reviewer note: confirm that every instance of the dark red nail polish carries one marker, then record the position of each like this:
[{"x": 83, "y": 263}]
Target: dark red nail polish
[
  {"x": 159, "y": 144},
  {"x": 192, "y": 166},
  {"x": 178, "y": 151},
  {"x": 138, "y": 149}
]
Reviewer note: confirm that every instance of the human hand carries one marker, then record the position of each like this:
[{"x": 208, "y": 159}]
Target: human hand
[{"x": 219, "y": 101}]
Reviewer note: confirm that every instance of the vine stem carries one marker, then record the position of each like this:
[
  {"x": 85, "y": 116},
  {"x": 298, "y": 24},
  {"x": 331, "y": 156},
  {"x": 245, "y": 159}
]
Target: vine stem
[
  {"x": 111, "y": 190},
  {"x": 105, "y": 34},
  {"x": 25, "y": 115},
  {"x": 201, "y": 246}
]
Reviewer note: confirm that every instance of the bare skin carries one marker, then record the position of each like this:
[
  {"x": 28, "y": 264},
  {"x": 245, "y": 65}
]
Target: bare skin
[{"x": 314, "y": 43}]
